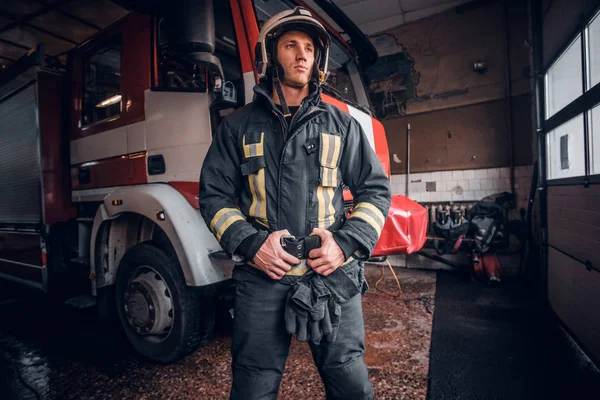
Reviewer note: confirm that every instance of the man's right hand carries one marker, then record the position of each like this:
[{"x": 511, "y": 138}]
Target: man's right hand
[{"x": 272, "y": 259}]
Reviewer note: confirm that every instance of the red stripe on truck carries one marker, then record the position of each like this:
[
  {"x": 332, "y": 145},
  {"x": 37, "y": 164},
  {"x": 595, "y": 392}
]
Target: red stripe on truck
[
  {"x": 247, "y": 9},
  {"x": 381, "y": 146},
  {"x": 189, "y": 190},
  {"x": 129, "y": 169},
  {"x": 244, "y": 48},
  {"x": 335, "y": 102}
]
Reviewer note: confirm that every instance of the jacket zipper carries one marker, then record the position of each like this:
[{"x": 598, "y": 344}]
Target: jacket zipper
[
  {"x": 285, "y": 144},
  {"x": 283, "y": 130}
]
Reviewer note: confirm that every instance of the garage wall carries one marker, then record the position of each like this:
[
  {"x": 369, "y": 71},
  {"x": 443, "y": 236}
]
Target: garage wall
[
  {"x": 459, "y": 117},
  {"x": 463, "y": 185},
  {"x": 468, "y": 137},
  {"x": 438, "y": 92}
]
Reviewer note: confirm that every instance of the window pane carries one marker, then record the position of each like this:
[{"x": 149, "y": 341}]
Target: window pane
[
  {"x": 102, "y": 82},
  {"x": 594, "y": 51},
  {"x": 565, "y": 150},
  {"x": 339, "y": 66},
  {"x": 594, "y": 124},
  {"x": 564, "y": 79}
]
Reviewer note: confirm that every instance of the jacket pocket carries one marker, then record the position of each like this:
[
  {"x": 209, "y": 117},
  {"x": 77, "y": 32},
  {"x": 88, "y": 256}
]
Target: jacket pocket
[
  {"x": 253, "y": 143},
  {"x": 329, "y": 159}
]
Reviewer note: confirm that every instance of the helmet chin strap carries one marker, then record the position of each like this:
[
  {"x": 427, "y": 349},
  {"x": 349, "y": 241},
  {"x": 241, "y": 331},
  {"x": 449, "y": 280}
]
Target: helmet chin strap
[{"x": 279, "y": 90}]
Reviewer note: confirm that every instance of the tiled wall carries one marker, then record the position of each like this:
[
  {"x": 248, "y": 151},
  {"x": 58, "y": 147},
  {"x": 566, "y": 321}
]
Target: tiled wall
[{"x": 463, "y": 185}]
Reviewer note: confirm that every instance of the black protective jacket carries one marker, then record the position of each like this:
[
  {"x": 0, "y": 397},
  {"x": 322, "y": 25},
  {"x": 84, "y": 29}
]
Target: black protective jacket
[{"x": 261, "y": 175}]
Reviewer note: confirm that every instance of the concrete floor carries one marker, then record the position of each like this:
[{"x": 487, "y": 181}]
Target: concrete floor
[
  {"x": 49, "y": 351},
  {"x": 500, "y": 344},
  {"x": 485, "y": 343}
]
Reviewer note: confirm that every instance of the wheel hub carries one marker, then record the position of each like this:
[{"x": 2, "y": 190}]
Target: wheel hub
[{"x": 148, "y": 305}]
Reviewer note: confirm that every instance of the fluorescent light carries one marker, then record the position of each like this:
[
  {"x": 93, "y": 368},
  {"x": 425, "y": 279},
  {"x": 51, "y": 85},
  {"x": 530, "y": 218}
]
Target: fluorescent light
[{"x": 109, "y": 101}]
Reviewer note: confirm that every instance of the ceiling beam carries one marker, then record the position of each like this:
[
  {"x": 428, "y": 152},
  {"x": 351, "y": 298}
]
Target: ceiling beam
[
  {"x": 20, "y": 21},
  {"x": 23, "y": 22},
  {"x": 75, "y": 18},
  {"x": 7, "y": 59},
  {"x": 56, "y": 8},
  {"x": 20, "y": 46},
  {"x": 473, "y": 5}
]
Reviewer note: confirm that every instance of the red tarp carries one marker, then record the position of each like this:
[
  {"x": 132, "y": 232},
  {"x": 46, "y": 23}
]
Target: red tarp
[{"x": 405, "y": 230}]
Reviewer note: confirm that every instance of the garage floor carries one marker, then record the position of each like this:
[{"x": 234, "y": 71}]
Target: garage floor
[
  {"x": 486, "y": 344},
  {"x": 48, "y": 351},
  {"x": 494, "y": 343}
]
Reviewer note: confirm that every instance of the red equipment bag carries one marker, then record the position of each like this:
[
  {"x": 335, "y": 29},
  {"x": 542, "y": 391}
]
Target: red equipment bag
[{"x": 405, "y": 230}]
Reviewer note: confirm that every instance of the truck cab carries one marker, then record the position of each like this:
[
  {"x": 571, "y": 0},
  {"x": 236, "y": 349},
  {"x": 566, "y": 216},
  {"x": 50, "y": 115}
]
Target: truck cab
[{"x": 115, "y": 179}]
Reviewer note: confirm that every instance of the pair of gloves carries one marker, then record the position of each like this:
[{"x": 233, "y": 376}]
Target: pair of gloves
[{"x": 314, "y": 305}]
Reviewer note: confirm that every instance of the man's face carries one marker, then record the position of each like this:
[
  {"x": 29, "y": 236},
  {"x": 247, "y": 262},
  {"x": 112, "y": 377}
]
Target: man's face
[{"x": 296, "y": 53}]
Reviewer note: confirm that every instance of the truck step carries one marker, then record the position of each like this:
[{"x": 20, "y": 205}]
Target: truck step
[
  {"x": 82, "y": 301},
  {"x": 81, "y": 261}
]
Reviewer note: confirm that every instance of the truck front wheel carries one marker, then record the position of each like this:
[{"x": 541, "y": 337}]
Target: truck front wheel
[{"x": 163, "y": 319}]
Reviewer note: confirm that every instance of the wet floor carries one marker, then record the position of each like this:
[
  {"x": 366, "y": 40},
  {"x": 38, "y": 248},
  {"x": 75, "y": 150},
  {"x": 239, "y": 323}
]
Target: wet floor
[{"x": 50, "y": 351}]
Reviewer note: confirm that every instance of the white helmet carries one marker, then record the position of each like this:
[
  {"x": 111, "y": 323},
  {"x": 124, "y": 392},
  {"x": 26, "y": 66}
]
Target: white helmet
[{"x": 296, "y": 19}]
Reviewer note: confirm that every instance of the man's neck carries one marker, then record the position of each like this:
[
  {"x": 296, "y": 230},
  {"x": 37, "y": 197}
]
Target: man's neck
[{"x": 293, "y": 96}]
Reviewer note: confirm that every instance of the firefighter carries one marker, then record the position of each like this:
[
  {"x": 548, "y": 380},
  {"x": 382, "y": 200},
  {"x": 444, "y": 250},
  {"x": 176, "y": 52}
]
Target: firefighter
[{"x": 271, "y": 191}]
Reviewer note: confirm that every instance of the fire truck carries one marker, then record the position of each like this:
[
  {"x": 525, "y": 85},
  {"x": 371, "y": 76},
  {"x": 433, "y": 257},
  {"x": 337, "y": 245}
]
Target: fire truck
[{"x": 99, "y": 163}]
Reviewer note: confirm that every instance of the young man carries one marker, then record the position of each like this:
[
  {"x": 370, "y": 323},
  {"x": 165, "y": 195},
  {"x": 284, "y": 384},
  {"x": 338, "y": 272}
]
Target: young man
[{"x": 271, "y": 191}]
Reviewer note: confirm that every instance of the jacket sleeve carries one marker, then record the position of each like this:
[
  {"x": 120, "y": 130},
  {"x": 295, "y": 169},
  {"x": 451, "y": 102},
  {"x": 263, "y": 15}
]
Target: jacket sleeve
[
  {"x": 363, "y": 173},
  {"x": 220, "y": 182}
]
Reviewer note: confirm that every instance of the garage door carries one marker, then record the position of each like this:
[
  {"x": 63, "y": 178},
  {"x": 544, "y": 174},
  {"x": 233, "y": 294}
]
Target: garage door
[{"x": 572, "y": 126}]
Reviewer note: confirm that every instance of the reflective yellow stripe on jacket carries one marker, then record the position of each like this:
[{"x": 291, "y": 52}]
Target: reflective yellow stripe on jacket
[
  {"x": 254, "y": 149},
  {"x": 329, "y": 157},
  {"x": 326, "y": 211},
  {"x": 330, "y": 153},
  {"x": 301, "y": 271},
  {"x": 370, "y": 214},
  {"x": 223, "y": 219},
  {"x": 256, "y": 181}
]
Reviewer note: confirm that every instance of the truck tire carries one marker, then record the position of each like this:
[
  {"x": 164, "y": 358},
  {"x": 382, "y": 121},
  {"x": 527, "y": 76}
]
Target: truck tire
[{"x": 163, "y": 319}]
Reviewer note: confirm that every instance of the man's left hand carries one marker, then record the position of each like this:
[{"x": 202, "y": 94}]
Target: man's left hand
[{"x": 328, "y": 257}]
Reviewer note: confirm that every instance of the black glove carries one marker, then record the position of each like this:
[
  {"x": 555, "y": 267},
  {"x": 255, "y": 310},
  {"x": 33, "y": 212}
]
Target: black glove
[
  {"x": 296, "y": 318},
  {"x": 307, "y": 311},
  {"x": 319, "y": 321},
  {"x": 342, "y": 288}
]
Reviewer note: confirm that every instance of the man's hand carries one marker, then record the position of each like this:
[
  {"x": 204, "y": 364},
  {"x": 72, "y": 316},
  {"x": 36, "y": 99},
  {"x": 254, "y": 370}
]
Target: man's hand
[
  {"x": 272, "y": 259},
  {"x": 328, "y": 257}
]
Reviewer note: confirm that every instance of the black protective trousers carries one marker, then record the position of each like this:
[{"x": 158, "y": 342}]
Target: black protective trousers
[{"x": 261, "y": 343}]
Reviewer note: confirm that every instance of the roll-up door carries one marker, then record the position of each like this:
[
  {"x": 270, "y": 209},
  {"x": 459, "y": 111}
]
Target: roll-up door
[{"x": 20, "y": 188}]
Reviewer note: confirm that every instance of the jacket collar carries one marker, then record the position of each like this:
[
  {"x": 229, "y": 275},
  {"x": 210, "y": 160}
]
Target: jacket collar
[{"x": 263, "y": 94}]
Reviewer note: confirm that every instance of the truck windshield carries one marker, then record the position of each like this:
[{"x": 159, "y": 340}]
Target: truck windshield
[{"x": 343, "y": 72}]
